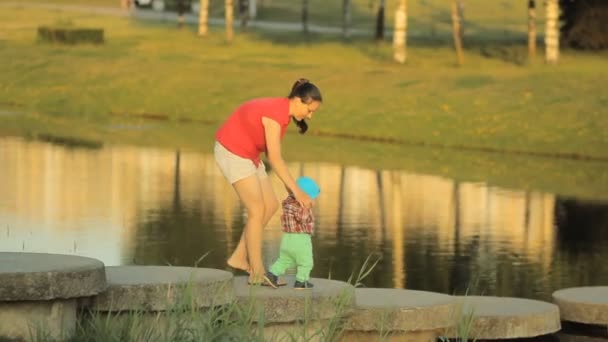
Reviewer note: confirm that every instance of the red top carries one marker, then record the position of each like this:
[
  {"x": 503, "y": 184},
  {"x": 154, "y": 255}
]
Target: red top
[
  {"x": 295, "y": 218},
  {"x": 243, "y": 132}
]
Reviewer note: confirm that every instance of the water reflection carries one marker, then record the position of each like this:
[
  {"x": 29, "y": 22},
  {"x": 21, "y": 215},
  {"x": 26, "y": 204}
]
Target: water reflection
[{"x": 131, "y": 205}]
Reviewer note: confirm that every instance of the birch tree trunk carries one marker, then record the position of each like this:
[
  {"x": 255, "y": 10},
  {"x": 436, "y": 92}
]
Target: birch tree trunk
[
  {"x": 305, "y": 16},
  {"x": 552, "y": 32},
  {"x": 229, "y": 18},
  {"x": 531, "y": 29},
  {"x": 203, "y": 18},
  {"x": 346, "y": 19},
  {"x": 456, "y": 32},
  {"x": 400, "y": 34},
  {"x": 380, "y": 21},
  {"x": 253, "y": 9},
  {"x": 460, "y": 6}
]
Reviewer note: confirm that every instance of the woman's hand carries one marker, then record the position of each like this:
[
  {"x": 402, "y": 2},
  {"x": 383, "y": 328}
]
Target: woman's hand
[{"x": 303, "y": 198}]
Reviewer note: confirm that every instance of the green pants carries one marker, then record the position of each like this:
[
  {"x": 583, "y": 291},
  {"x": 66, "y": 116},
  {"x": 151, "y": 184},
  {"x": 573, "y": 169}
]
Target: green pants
[{"x": 296, "y": 250}]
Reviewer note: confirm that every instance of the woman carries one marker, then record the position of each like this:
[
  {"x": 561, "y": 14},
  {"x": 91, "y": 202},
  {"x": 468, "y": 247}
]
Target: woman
[{"x": 259, "y": 126}]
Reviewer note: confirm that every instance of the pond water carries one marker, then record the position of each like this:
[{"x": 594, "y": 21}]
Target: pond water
[{"x": 132, "y": 205}]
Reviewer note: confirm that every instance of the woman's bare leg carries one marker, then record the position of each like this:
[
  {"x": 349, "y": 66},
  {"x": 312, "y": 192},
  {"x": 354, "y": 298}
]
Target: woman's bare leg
[
  {"x": 249, "y": 250},
  {"x": 239, "y": 258}
]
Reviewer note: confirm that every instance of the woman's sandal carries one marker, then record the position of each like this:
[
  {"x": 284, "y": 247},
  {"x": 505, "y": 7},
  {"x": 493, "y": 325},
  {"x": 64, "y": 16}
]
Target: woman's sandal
[{"x": 269, "y": 279}]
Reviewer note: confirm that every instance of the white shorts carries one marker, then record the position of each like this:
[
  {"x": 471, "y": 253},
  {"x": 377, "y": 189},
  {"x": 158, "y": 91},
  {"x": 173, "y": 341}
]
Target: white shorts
[{"x": 235, "y": 167}]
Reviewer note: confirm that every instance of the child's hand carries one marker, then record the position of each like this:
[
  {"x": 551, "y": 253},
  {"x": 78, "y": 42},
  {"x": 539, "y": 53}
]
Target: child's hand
[{"x": 303, "y": 198}]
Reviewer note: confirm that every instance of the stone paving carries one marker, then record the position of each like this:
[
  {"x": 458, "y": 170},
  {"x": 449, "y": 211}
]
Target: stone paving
[
  {"x": 496, "y": 318},
  {"x": 46, "y": 289},
  {"x": 39, "y": 292},
  {"x": 158, "y": 288},
  {"x": 587, "y": 305}
]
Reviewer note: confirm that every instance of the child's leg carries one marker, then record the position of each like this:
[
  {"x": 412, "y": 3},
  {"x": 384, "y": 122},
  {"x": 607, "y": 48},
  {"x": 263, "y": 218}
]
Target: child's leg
[
  {"x": 285, "y": 261},
  {"x": 304, "y": 259}
]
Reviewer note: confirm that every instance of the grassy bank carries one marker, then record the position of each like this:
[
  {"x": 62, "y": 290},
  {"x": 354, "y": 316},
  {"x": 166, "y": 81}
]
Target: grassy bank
[{"x": 190, "y": 85}]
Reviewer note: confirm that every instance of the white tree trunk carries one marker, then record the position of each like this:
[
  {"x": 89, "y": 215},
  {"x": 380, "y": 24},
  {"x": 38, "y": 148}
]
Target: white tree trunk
[
  {"x": 229, "y": 18},
  {"x": 203, "y": 18},
  {"x": 531, "y": 29},
  {"x": 400, "y": 35},
  {"x": 253, "y": 9},
  {"x": 346, "y": 18},
  {"x": 552, "y": 32},
  {"x": 456, "y": 32}
]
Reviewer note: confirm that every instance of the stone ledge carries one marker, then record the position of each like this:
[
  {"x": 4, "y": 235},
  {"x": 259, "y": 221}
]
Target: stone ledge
[
  {"x": 40, "y": 276},
  {"x": 159, "y": 288},
  {"x": 22, "y": 320},
  {"x": 587, "y": 305},
  {"x": 507, "y": 318},
  {"x": 400, "y": 310},
  {"x": 284, "y": 305}
]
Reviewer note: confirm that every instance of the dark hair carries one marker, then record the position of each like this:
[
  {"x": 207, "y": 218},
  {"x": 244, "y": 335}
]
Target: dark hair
[{"x": 308, "y": 92}]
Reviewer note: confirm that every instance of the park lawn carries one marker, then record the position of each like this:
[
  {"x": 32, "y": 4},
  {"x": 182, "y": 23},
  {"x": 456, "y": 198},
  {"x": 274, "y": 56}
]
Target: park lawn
[
  {"x": 427, "y": 17},
  {"x": 496, "y": 101}
]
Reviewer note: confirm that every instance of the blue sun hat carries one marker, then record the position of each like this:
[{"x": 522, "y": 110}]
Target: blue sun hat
[{"x": 308, "y": 186}]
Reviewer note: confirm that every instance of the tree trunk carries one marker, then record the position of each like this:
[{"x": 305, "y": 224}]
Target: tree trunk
[
  {"x": 244, "y": 13},
  {"x": 380, "y": 21},
  {"x": 456, "y": 32},
  {"x": 253, "y": 9},
  {"x": 125, "y": 4},
  {"x": 400, "y": 35},
  {"x": 346, "y": 18},
  {"x": 531, "y": 29},
  {"x": 203, "y": 18},
  {"x": 181, "y": 10},
  {"x": 229, "y": 18},
  {"x": 460, "y": 6},
  {"x": 552, "y": 32},
  {"x": 305, "y": 16}
]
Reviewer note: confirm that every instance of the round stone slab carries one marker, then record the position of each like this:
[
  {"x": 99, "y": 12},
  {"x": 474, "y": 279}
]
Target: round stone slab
[
  {"x": 328, "y": 299},
  {"x": 587, "y": 305},
  {"x": 401, "y": 310},
  {"x": 158, "y": 288},
  {"x": 505, "y": 317},
  {"x": 41, "y": 276}
]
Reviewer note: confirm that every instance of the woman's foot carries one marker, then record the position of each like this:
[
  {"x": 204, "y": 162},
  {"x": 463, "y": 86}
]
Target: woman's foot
[
  {"x": 239, "y": 265},
  {"x": 268, "y": 279}
]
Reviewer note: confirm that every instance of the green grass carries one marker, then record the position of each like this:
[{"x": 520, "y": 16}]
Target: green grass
[
  {"x": 495, "y": 102},
  {"x": 495, "y": 18}
]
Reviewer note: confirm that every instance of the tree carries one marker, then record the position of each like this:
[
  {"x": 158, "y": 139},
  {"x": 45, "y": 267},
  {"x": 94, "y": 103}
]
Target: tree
[
  {"x": 460, "y": 6},
  {"x": 584, "y": 24},
  {"x": 531, "y": 29},
  {"x": 181, "y": 10},
  {"x": 125, "y": 4},
  {"x": 457, "y": 32},
  {"x": 244, "y": 13},
  {"x": 380, "y": 21},
  {"x": 203, "y": 17},
  {"x": 305, "y": 16},
  {"x": 400, "y": 35},
  {"x": 552, "y": 32},
  {"x": 253, "y": 9},
  {"x": 346, "y": 18},
  {"x": 229, "y": 18}
]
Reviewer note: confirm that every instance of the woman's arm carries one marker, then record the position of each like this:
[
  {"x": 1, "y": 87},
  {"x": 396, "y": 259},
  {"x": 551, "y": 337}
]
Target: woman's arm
[{"x": 272, "y": 131}]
